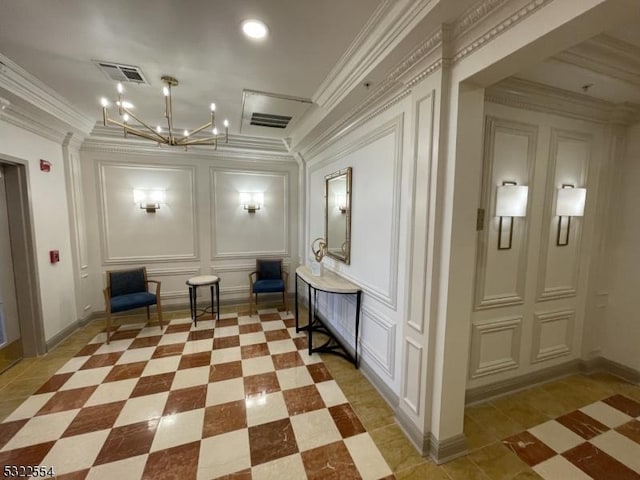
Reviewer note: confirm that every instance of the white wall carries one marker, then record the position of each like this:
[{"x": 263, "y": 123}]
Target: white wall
[
  {"x": 380, "y": 194},
  {"x": 49, "y": 210},
  {"x": 620, "y": 337},
  {"x": 202, "y": 229},
  {"x": 529, "y": 302}
]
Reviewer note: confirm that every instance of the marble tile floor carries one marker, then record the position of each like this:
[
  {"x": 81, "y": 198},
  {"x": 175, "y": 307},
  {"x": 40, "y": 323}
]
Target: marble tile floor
[
  {"x": 486, "y": 425},
  {"x": 238, "y": 397}
]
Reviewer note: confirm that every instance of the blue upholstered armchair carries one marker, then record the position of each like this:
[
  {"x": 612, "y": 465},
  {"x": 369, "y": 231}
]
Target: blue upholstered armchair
[
  {"x": 129, "y": 289},
  {"x": 269, "y": 277}
]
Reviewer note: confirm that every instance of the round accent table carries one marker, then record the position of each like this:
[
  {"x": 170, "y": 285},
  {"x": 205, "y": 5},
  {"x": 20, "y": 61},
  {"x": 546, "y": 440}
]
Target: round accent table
[{"x": 210, "y": 281}]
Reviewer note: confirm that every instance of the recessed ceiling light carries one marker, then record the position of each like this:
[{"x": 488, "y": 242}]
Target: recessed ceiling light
[{"x": 255, "y": 29}]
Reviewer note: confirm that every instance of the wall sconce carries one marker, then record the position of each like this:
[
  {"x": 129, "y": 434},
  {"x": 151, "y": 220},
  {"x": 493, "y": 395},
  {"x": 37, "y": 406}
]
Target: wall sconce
[
  {"x": 569, "y": 203},
  {"x": 251, "y": 201},
  {"x": 511, "y": 201},
  {"x": 149, "y": 200},
  {"x": 341, "y": 203}
]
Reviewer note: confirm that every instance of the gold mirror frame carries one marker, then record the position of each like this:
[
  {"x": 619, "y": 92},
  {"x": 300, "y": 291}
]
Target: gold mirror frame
[{"x": 344, "y": 254}]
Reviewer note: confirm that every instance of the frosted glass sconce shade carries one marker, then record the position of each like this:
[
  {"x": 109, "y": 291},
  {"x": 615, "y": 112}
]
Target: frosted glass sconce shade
[
  {"x": 251, "y": 201},
  {"x": 149, "y": 200},
  {"x": 569, "y": 203},
  {"x": 511, "y": 201}
]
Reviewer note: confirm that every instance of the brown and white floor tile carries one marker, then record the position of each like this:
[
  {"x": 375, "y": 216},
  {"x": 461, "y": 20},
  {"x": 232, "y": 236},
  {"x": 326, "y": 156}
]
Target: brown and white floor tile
[
  {"x": 599, "y": 441},
  {"x": 239, "y": 397}
]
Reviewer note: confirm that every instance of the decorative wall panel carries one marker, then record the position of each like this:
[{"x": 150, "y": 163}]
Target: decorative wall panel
[
  {"x": 510, "y": 149},
  {"x": 129, "y": 233}
]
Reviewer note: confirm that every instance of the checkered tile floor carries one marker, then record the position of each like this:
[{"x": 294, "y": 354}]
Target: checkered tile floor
[
  {"x": 242, "y": 400},
  {"x": 600, "y": 441}
]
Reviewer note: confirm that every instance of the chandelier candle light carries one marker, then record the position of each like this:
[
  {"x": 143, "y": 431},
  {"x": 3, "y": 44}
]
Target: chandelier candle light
[{"x": 158, "y": 134}]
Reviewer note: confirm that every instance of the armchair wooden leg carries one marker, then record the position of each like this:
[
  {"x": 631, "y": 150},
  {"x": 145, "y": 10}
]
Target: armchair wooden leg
[
  {"x": 284, "y": 300},
  {"x": 148, "y": 314},
  {"x": 159, "y": 310}
]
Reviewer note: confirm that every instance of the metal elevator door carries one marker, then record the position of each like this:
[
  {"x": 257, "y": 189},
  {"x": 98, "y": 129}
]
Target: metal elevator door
[{"x": 10, "y": 338}]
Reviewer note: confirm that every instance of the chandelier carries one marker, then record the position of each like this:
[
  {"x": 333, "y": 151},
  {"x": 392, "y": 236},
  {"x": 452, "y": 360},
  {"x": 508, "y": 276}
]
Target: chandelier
[{"x": 158, "y": 134}]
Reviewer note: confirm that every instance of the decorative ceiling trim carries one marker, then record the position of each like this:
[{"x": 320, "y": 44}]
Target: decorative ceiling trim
[
  {"x": 396, "y": 86},
  {"x": 497, "y": 29},
  {"x": 519, "y": 93},
  {"x": 389, "y": 24},
  {"x": 236, "y": 142},
  {"x": 606, "y": 55},
  {"x": 474, "y": 15},
  {"x": 22, "y": 84},
  {"x": 20, "y": 118},
  {"x": 138, "y": 147}
]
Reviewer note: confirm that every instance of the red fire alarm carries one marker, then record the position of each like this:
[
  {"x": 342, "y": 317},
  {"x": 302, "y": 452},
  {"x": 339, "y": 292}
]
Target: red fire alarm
[
  {"x": 45, "y": 166},
  {"x": 54, "y": 256}
]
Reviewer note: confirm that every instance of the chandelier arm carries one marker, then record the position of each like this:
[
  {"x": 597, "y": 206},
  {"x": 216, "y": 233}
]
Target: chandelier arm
[
  {"x": 155, "y": 134},
  {"x": 133, "y": 130},
  {"x": 199, "y": 129},
  {"x": 142, "y": 134}
]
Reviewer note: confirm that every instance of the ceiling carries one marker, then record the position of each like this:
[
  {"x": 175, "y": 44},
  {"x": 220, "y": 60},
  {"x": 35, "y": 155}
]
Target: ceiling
[
  {"x": 606, "y": 67},
  {"x": 199, "y": 42}
]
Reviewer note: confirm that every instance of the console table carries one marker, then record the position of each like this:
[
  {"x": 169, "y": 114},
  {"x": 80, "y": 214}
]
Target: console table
[{"x": 333, "y": 283}]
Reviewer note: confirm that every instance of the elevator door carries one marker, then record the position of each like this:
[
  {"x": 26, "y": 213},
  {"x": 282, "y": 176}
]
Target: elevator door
[{"x": 10, "y": 341}]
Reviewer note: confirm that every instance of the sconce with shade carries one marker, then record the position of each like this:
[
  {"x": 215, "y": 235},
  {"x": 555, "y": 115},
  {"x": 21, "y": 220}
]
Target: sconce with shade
[
  {"x": 149, "y": 200},
  {"x": 341, "y": 203},
  {"x": 569, "y": 203},
  {"x": 511, "y": 201},
  {"x": 251, "y": 201}
]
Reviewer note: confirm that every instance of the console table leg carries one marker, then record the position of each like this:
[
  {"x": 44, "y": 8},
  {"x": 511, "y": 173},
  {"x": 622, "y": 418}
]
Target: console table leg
[{"x": 296, "y": 300}]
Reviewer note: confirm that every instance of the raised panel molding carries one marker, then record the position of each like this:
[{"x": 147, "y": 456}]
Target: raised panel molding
[
  {"x": 480, "y": 332},
  {"x": 571, "y": 254},
  {"x": 413, "y": 375},
  {"x": 109, "y": 259},
  {"x": 394, "y": 127},
  {"x": 387, "y": 362},
  {"x": 485, "y": 241},
  {"x": 420, "y": 269},
  {"x": 540, "y": 353},
  {"x": 172, "y": 272},
  {"x": 282, "y": 252}
]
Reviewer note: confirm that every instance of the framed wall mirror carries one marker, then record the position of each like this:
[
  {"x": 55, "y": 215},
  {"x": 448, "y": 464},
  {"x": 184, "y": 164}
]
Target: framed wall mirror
[{"x": 337, "y": 214}]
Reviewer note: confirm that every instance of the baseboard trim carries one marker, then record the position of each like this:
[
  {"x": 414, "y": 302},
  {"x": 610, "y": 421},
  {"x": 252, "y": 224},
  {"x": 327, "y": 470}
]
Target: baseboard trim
[
  {"x": 419, "y": 440},
  {"x": 385, "y": 392},
  {"x": 512, "y": 385},
  {"x": 601, "y": 364},
  {"x": 64, "y": 333},
  {"x": 448, "y": 449}
]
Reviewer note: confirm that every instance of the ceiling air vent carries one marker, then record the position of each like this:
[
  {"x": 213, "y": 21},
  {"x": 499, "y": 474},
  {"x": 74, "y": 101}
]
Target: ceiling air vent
[
  {"x": 269, "y": 120},
  {"x": 270, "y": 114},
  {"x": 122, "y": 73}
]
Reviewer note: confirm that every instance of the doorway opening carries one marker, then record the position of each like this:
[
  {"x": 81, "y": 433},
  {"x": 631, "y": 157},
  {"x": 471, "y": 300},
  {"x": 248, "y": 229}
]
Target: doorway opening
[{"x": 21, "y": 327}]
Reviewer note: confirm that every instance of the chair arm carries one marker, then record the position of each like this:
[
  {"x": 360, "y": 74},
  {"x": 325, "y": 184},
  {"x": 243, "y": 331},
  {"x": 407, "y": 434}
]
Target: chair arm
[
  {"x": 252, "y": 280},
  {"x": 285, "y": 274},
  {"x": 157, "y": 286}
]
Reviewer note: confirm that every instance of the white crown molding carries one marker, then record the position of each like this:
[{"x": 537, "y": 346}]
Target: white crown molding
[
  {"x": 480, "y": 40},
  {"x": 424, "y": 59},
  {"x": 607, "y": 56},
  {"x": 389, "y": 24},
  {"x": 22, "y": 84},
  {"x": 20, "y": 118},
  {"x": 520, "y": 93},
  {"x": 474, "y": 15},
  {"x": 252, "y": 149}
]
